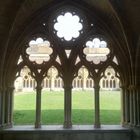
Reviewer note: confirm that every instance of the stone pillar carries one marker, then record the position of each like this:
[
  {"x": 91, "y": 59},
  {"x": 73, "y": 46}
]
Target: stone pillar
[
  {"x": 127, "y": 114},
  {"x": 134, "y": 107},
  {"x": 67, "y": 106},
  {"x": 131, "y": 105},
  {"x": 38, "y": 106},
  {"x": 0, "y": 107},
  {"x": 123, "y": 105},
  {"x": 138, "y": 106},
  {"x": 97, "y": 106},
  {"x": 9, "y": 106},
  {"x": 3, "y": 108}
]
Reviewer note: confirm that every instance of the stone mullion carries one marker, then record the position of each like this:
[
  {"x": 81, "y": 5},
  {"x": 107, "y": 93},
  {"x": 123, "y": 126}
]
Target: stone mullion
[
  {"x": 97, "y": 106},
  {"x": 38, "y": 106},
  {"x": 67, "y": 106}
]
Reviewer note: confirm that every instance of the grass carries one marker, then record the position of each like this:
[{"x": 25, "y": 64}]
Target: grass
[{"x": 53, "y": 107}]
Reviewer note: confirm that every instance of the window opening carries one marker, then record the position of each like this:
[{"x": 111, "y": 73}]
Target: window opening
[
  {"x": 68, "y": 26},
  {"x": 96, "y": 50},
  {"x": 24, "y": 99},
  {"x": 110, "y": 94},
  {"x": 39, "y": 50},
  {"x": 82, "y": 99}
]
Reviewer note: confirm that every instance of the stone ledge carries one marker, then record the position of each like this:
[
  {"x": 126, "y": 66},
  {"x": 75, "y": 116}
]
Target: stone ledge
[
  {"x": 59, "y": 128},
  {"x": 57, "y": 132}
]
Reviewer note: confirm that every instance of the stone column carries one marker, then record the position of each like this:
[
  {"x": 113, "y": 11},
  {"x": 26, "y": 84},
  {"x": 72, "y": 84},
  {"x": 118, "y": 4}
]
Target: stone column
[
  {"x": 38, "y": 106},
  {"x": 0, "y": 107},
  {"x": 3, "y": 108},
  {"x": 138, "y": 106},
  {"x": 67, "y": 106},
  {"x": 127, "y": 114},
  {"x": 97, "y": 106},
  {"x": 134, "y": 107},
  {"x": 9, "y": 106},
  {"x": 131, "y": 105},
  {"x": 123, "y": 104}
]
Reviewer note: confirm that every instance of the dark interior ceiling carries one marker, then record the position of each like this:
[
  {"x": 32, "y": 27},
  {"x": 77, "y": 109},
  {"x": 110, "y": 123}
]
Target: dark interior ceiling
[
  {"x": 15, "y": 13},
  {"x": 122, "y": 16}
]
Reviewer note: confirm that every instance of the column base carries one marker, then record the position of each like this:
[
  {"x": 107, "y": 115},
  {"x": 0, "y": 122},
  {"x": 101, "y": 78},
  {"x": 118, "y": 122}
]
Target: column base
[
  {"x": 6, "y": 125},
  {"x": 37, "y": 125},
  {"x": 67, "y": 125},
  {"x": 97, "y": 125}
]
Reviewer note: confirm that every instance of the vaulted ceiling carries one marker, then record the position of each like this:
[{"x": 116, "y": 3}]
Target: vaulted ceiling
[{"x": 121, "y": 16}]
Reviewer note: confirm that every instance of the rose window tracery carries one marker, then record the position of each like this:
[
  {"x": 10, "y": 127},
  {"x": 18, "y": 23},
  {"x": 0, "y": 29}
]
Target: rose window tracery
[{"x": 68, "y": 26}]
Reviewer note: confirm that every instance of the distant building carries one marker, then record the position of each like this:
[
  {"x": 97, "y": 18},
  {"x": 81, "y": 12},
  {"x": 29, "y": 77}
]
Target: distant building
[{"x": 40, "y": 52}]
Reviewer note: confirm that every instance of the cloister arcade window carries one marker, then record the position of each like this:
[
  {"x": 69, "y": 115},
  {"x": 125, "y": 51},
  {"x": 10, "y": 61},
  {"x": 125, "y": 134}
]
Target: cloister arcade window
[{"x": 66, "y": 54}]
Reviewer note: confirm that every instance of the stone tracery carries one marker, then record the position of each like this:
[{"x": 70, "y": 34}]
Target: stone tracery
[{"x": 64, "y": 59}]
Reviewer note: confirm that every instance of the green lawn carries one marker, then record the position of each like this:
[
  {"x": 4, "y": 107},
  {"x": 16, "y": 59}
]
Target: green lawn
[{"x": 53, "y": 107}]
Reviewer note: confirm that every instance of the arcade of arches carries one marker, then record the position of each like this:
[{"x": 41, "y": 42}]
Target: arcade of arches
[{"x": 67, "y": 45}]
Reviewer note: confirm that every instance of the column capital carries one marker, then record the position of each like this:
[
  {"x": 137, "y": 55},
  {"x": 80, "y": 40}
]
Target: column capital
[
  {"x": 96, "y": 86},
  {"x": 38, "y": 87},
  {"x": 132, "y": 87},
  {"x": 68, "y": 87},
  {"x": 11, "y": 87},
  {"x": 123, "y": 86}
]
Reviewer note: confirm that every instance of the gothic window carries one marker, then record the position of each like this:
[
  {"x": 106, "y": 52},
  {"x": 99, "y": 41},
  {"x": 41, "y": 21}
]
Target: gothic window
[
  {"x": 55, "y": 83},
  {"x": 107, "y": 84},
  {"x": 59, "y": 86},
  {"x": 103, "y": 84},
  {"x": 114, "y": 84},
  {"x": 87, "y": 83},
  {"x": 24, "y": 83},
  {"x": 34, "y": 84},
  {"x": 31, "y": 83},
  {"x": 50, "y": 83},
  {"x": 81, "y": 83},
  {"x": 91, "y": 84},
  {"x": 110, "y": 83},
  {"x": 67, "y": 51},
  {"x": 74, "y": 83}
]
